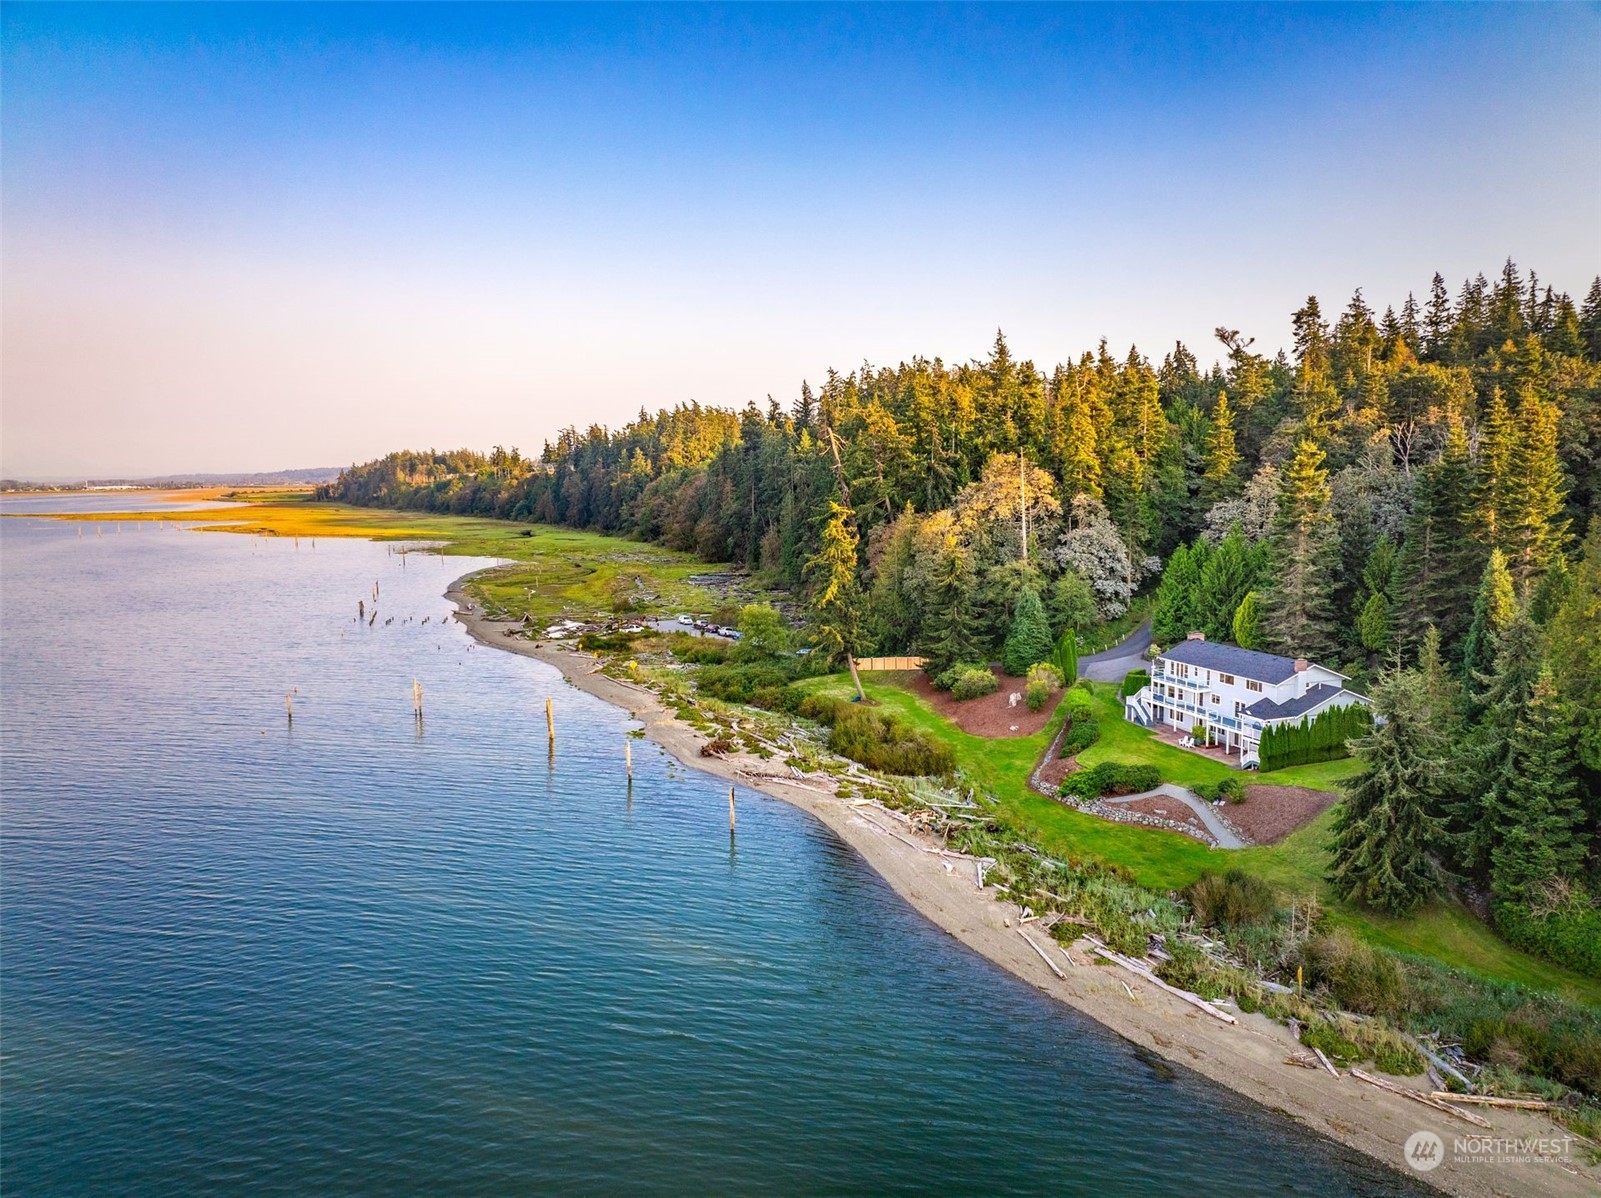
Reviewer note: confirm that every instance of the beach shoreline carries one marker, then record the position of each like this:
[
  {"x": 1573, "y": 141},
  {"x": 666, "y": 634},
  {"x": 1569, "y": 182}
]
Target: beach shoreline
[{"x": 1248, "y": 1057}]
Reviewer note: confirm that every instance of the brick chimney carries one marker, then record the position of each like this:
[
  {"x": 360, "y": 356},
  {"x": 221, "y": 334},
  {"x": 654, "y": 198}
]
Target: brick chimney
[
  {"x": 1300, "y": 664},
  {"x": 1198, "y": 636}
]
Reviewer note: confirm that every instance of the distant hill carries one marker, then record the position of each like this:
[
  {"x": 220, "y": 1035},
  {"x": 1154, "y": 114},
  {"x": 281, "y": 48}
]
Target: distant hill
[{"x": 271, "y": 478}]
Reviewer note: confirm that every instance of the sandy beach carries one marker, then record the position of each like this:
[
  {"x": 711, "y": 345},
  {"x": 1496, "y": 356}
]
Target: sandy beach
[{"x": 1248, "y": 1057}]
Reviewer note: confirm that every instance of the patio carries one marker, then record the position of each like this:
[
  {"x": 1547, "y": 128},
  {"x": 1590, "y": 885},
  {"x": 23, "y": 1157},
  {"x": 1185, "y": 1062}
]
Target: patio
[{"x": 1172, "y": 736}]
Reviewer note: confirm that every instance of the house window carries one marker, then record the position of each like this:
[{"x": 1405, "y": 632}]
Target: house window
[
  {"x": 1226, "y": 679},
  {"x": 1252, "y": 686},
  {"x": 1216, "y": 700}
]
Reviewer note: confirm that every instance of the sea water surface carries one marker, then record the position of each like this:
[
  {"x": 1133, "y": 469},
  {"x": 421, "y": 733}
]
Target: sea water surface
[{"x": 358, "y": 955}]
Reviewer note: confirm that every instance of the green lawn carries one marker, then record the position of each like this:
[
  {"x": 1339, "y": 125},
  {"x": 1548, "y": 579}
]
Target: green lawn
[{"x": 1165, "y": 860}]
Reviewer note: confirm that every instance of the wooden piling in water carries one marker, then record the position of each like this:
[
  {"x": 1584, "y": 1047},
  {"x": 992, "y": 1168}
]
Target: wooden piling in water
[
  {"x": 550, "y": 722},
  {"x": 289, "y": 706},
  {"x": 730, "y": 810},
  {"x": 628, "y": 758},
  {"x": 416, "y": 698}
]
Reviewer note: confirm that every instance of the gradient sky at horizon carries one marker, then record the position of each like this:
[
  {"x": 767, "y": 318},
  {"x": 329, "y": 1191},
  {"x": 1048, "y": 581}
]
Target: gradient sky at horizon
[{"x": 242, "y": 237}]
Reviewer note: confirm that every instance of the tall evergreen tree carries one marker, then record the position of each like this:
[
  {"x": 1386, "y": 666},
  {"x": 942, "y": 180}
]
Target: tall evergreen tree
[
  {"x": 1029, "y": 640},
  {"x": 1439, "y": 562},
  {"x": 1532, "y": 526},
  {"x": 1574, "y": 637},
  {"x": 948, "y": 628},
  {"x": 1230, "y": 572},
  {"x": 1492, "y": 612},
  {"x": 1542, "y": 823},
  {"x": 1221, "y": 454},
  {"x": 1298, "y": 618},
  {"x": 1248, "y": 622},
  {"x": 1384, "y": 833},
  {"x": 1479, "y": 820}
]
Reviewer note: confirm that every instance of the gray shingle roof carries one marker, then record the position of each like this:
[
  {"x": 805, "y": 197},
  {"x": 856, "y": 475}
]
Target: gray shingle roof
[
  {"x": 1231, "y": 659},
  {"x": 1267, "y": 709}
]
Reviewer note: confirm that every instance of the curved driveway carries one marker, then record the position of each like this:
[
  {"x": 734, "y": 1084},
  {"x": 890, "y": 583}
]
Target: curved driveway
[{"x": 1114, "y": 664}]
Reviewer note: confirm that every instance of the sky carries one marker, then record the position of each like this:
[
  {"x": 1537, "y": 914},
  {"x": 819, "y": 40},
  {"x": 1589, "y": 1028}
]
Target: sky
[{"x": 238, "y": 238}]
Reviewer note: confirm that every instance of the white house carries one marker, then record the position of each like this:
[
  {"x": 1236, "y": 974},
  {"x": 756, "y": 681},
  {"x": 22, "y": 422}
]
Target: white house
[{"x": 1233, "y": 693}]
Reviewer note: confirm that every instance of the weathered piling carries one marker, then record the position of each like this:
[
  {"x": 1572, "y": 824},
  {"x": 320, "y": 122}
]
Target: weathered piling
[
  {"x": 628, "y": 758},
  {"x": 550, "y": 722},
  {"x": 416, "y": 698},
  {"x": 289, "y": 706},
  {"x": 731, "y": 820}
]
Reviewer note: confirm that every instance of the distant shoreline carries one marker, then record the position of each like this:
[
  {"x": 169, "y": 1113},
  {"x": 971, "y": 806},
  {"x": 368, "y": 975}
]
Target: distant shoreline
[{"x": 1247, "y": 1058}]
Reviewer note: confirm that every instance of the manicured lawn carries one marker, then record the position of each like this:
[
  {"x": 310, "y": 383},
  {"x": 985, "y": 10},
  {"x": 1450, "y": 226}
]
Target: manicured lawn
[{"x": 1165, "y": 860}]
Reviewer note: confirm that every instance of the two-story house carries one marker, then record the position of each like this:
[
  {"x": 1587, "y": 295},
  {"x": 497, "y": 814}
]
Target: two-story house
[{"x": 1233, "y": 693}]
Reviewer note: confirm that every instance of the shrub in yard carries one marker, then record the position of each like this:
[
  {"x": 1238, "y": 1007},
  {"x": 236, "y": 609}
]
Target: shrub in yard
[
  {"x": 1079, "y": 704},
  {"x": 1043, "y": 681},
  {"x": 975, "y": 683},
  {"x": 1232, "y": 900},
  {"x": 947, "y": 679},
  {"x": 1109, "y": 777},
  {"x": 1081, "y": 734},
  {"x": 1136, "y": 681},
  {"x": 1231, "y": 790}
]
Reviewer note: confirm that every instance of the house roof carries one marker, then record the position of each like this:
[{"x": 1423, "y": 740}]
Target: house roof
[
  {"x": 1231, "y": 659},
  {"x": 1315, "y": 697}
]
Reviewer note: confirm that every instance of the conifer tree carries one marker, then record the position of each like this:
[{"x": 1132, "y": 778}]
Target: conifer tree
[
  {"x": 1590, "y": 321},
  {"x": 1221, "y": 455},
  {"x": 1173, "y": 610},
  {"x": 1440, "y": 563},
  {"x": 1029, "y": 641},
  {"x": 1492, "y": 612},
  {"x": 1298, "y": 617},
  {"x": 947, "y": 637},
  {"x": 1384, "y": 833},
  {"x": 1437, "y": 320},
  {"x": 1248, "y": 622},
  {"x": 1541, "y": 820},
  {"x": 1532, "y": 527},
  {"x": 1574, "y": 637},
  {"x": 836, "y": 591},
  {"x": 1479, "y": 818},
  {"x": 1226, "y": 578}
]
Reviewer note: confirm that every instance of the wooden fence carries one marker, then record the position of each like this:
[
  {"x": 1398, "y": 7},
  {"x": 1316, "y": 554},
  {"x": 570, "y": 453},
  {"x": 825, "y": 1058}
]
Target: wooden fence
[{"x": 889, "y": 663}]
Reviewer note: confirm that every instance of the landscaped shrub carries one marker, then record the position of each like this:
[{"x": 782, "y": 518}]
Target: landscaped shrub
[
  {"x": 1321, "y": 740},
  {"x": 1043, "y": 680},
  {"x": 1231, "y": 790},
  {"x": 974, "y": 683},
  {"x": 1083, "y": 732},
  {"x": 1065, "y": 656},
  {"x": 1134, "y": 682},
  {"x": 1079, "y": 704},
  {"x": 881, "y": 742},
  {"x": 1232, "y": 900},
  {"x": 1110, "y": 777},
  {"x": 948, "y": 678}
]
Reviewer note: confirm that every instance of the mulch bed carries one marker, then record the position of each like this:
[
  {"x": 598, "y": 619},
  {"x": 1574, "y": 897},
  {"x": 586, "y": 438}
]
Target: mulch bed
[
  {"x": 1164, "y": 807},
  {"x": 1055, "y": 771},
  {"x": 991, "y": 716},
  {"x": 1270, "y": 813}
]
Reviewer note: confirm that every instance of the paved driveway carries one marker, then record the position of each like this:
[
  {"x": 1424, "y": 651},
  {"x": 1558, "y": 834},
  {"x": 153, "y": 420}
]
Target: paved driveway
[{"x": 1114, "y": 664}]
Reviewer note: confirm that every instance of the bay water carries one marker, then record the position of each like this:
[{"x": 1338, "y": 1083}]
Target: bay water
[{"x": 355, "y": 954}]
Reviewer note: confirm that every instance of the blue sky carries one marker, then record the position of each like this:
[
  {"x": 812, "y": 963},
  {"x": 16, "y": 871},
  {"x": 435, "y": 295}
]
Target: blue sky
[{"x": 242, "y": 237}]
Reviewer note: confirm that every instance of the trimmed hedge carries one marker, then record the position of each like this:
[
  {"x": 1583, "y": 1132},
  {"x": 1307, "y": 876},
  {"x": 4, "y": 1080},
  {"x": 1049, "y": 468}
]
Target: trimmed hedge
[
  {"x": 1321, "y": 740},
  {"x": 1134, "y": 682},
  {"x": 1109, "y": 777},
  {"x": 1081, "y": 734}
]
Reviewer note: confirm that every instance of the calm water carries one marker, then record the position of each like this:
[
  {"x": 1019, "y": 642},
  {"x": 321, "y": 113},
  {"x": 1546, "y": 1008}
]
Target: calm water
[{"x": 355, "y": 957}]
